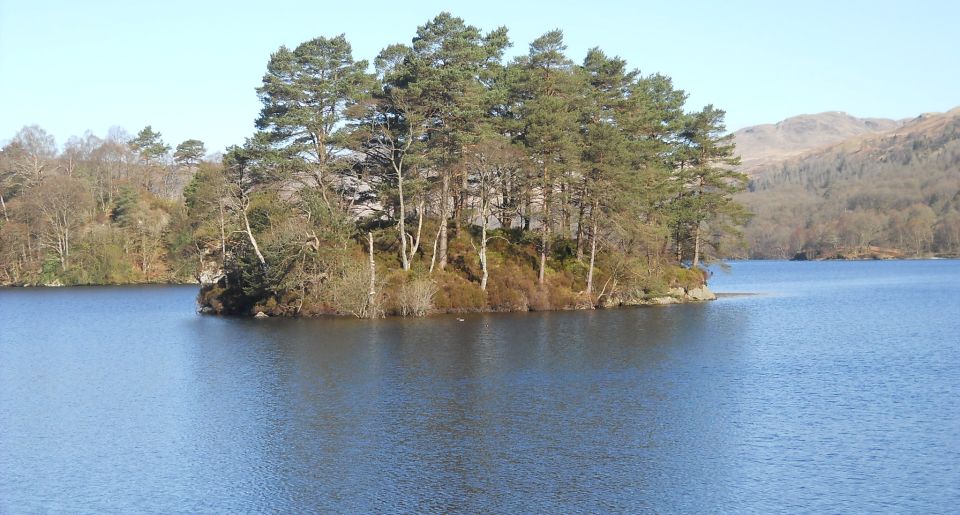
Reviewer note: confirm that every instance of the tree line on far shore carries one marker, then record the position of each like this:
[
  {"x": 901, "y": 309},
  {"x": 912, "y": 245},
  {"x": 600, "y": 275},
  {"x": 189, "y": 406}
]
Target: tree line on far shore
[
  {"x": 99, "y": 211},
  {"x": 895, "y": 196}
]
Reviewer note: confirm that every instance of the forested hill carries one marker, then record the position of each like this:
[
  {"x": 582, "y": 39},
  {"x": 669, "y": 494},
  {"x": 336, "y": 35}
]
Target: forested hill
[
  {"x": 437, "y": 176},
  {"x": 886, "y": 194}
]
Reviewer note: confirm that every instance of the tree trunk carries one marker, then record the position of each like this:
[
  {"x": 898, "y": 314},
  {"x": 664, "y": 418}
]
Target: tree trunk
[
  {"x": 460, "y": 204},
  {"x": 223, "y": 237},
  {"x": 4, "y": 204},
  {"x": 442, "y": 264},
  {"x": 66, "y": 246},
  {"x": 143, "y": 251},
  {"x": 321, "y": 153},
  {"x": 253, "y": 241},
  {"x": 526, "y": 210},
  {"x": 545, "y": 224},
  {"x": 543, "y": 254},
  {"x": 372, "y": 294},
  {"x": 580, "y": 231},
  {"x": 564, "y": 210},
  {"x": 506, "y": 218},
  {"x": 696, "y": 246},
  {"x": 415, "y": 242},
  {"x": 433, "y": 256},
  {"x": 404, "y": 260},
  {"x": 593, "y": 250},
  {"x": 696, "y": 231},
  {"x": 444, "y": 198},
  {"x": 679, "y": 245},
  {"x": 483, "y": 256},
  {"x": 484, "y": 208}
]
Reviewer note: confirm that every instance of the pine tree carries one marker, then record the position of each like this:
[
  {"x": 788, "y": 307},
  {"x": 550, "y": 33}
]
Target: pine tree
[
  {"x": 547, "y": 106},
  {"x": 706, "y": 180},
  {"x": 306, "y": 93}
]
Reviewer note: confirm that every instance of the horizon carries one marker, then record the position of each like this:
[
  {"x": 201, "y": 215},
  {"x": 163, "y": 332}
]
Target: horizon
[{"x": 199, "y": 79}]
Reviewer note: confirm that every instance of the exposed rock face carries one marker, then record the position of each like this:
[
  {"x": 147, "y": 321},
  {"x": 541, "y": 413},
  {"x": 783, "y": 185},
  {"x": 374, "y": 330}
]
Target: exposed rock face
[
  {"x": 659, "y": 301},
  {"x": 673, "y": 296},
  {"x": 701, "y": 294},
  {"x": 210, "y": 274},
  {"x": 261, "y": 314}
]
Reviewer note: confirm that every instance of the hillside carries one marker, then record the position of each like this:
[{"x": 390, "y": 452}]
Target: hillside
[
  {"x": 896, "y": 190},
  {"x": 762, "y": 145}
]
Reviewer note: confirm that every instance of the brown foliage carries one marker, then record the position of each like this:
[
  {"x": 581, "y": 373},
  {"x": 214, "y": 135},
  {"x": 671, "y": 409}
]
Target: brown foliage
[
  {"x": 455, "y": 294},
  {"x": 510, "y": 288}
]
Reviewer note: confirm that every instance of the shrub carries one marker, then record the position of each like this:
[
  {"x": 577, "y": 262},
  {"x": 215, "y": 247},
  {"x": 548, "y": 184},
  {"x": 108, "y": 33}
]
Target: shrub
[
  {"x": 456, "y": 294},
  {"x": 270, "y": 307},
  {"x": 677, "y": 276},
  {"x": 561, "y": 296},
  {"x": 209, "y": 296},
  {"x": 415, "y": 297},
  {"x": 462, "y": 257},
  {"x": 539, "y": 298},
  {"x": 349, "y": 293},
  {"x": 509, "y": 288}
]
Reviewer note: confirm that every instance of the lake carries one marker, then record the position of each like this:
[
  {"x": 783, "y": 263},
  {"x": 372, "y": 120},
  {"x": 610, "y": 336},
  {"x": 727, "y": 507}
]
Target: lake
[{"x": 834, "y": 388}]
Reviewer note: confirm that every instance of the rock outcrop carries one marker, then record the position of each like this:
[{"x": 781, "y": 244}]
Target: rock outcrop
[
  {"x": 701, "y": 294},
  {"x": 676, "y": 295}
]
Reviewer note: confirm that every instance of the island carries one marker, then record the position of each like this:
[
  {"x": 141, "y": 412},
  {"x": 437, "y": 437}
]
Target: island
[{"x": 440, "y": 177}]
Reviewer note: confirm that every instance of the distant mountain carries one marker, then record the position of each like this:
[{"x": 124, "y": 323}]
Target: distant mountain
[
  {"x": 896, "y": 189},
  {"x": 761, "y": 145}
]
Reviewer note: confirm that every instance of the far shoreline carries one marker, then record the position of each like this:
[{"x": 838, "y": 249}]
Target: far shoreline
[{"x": 711, "y": 266}]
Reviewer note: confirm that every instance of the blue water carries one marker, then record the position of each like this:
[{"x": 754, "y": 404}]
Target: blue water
[{"x": 835, "y": 388}]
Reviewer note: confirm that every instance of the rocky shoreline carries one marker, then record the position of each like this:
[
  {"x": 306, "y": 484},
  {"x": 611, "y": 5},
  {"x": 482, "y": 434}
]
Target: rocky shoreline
[{"x": 683, "y": 295}]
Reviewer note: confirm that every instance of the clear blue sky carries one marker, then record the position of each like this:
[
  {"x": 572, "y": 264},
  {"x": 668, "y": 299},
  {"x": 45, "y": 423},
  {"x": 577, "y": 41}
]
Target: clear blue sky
[{"x": 189, "y": 68}]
